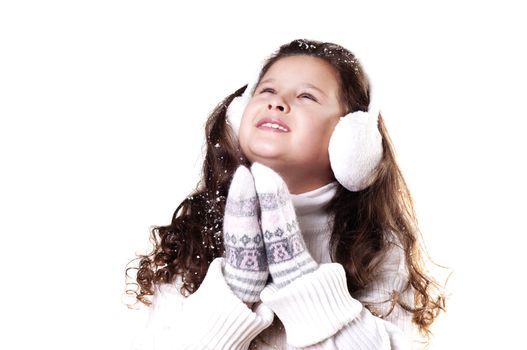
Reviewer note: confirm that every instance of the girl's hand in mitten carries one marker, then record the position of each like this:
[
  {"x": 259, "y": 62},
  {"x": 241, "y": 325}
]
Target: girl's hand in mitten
[
  {"x": 287, "y": 255},
  {"x": 245, "y": 266}
]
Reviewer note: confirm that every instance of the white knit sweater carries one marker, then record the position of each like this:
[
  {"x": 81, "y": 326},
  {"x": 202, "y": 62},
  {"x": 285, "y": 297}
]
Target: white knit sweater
[{"x": 315, "y": 311}]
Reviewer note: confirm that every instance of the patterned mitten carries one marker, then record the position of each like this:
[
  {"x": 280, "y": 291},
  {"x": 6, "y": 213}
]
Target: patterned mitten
[
  {"x": 287, "y": 255},
  {"x": 245, "y": 266}
]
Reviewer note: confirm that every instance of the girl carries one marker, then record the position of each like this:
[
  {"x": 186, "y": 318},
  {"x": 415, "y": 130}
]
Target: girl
[{"x": 302, "y": 233}]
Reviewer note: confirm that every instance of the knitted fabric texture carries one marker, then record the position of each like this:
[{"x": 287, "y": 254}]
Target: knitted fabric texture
[
  {"x": 287, "y": 255},
  {"x": 245, "y": 268},
  {"x": 215, "y": 318}
]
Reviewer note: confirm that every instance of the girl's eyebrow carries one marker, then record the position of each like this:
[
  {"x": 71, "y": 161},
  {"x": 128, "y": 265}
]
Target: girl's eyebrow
[
  {"x": 269, "y": 80},
  {"x": 314, "y": 87}
]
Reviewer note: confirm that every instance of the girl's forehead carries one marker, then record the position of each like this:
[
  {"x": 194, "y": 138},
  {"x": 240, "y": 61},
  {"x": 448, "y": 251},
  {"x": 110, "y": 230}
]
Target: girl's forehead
[{"x": 303, "y": 69}]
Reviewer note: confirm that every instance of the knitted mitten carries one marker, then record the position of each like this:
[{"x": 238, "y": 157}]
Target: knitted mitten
[
  {"x": 286, "y": 251},
  {"x": 245, "y": 266}
]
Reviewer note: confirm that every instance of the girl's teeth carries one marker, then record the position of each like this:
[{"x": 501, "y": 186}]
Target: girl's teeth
[{"x": 274, "y": 126}]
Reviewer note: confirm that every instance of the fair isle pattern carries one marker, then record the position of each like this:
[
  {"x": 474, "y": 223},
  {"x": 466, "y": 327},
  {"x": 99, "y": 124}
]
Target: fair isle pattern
[
  {"x": 245, "y": 265},
  {"x": 244, "y": 250},
  {"x": 287, "y": 255},
  {"x": 243, "y": 207},
  {"x": 273, "y": 201},
  {"x": 286, "y": 251},
  {"x": 245, "y": 253},
  {"x": 281, "y": 248}
]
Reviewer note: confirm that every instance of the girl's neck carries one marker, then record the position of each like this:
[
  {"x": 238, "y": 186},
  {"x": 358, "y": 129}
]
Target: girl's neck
[
  {"x": 314, "y": 200},
  {"x": 305, "y": 182}
]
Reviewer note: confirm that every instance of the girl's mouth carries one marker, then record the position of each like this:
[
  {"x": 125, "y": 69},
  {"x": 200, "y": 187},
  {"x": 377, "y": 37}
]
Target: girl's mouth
[{"x": 275, "y": 125}]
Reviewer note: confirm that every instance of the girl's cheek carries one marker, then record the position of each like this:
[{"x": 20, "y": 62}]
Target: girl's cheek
[
  {"x": 251, "y": 109},
  {"x": 246, "y": 114},
  {"x": 245, "y": 123}
]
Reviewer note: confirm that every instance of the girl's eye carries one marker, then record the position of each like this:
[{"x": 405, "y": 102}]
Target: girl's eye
[
  {"x": 267, "y": 90},
  {"x": 309, "y": 96}
]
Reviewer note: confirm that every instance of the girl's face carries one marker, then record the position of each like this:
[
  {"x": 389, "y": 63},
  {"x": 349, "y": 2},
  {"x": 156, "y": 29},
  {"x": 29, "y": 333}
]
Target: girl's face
[{"x": 289, "y": 120}]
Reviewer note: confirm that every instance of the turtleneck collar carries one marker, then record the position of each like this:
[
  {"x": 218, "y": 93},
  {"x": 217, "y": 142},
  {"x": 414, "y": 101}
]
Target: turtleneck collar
[
  {"x": 314, "y": 221},
  {"x": 313, "y": 201}
]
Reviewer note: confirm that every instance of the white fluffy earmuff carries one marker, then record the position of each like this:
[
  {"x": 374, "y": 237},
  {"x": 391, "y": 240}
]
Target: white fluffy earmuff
[
  {"x": 237, "y": 106},
  {"x": 355, "y": 147}
]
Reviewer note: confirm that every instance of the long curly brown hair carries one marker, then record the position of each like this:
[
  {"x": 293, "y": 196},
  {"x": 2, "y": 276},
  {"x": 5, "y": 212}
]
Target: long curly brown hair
[{"x": 362, "y": 220}]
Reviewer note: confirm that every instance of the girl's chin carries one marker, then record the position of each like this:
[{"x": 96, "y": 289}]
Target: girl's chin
[
  {"x": 262, "y": 151},
  {"x": 273, "y": 163}
]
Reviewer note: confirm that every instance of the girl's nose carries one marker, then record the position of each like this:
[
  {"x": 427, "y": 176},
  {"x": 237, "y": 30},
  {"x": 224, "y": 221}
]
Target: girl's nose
[
  {"x": 279, "y": 103},
  {"x": 276, "y": 105}
]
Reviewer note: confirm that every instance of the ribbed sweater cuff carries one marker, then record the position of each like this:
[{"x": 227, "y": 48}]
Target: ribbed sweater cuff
[
  {"x": 228, "y": 322},
  {"x": 313, "y": 307}
]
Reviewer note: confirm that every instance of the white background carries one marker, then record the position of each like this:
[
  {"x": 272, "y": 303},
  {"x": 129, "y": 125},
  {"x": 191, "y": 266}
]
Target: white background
[{"x": 102, "y": 106}]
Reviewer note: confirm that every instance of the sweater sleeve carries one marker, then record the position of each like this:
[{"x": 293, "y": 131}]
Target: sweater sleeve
[
  {"x": 390, "y": 282},
  {"x": 319, "y": 313},
  {"x": 211, "y": 318}
]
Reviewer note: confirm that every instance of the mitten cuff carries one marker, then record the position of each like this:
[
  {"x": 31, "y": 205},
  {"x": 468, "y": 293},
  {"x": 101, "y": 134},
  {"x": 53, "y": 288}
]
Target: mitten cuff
[
  {"x": 313, "y": 307},
  {"x": 215, "y": 318}
]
